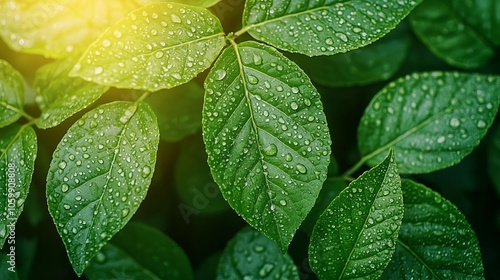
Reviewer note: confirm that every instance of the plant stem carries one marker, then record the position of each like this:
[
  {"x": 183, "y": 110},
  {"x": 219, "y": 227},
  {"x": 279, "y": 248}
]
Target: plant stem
[
  {"x": 17, "y": 110},
  {"x": 241, "y": 31},
  {"x": 143, "y": 96}
]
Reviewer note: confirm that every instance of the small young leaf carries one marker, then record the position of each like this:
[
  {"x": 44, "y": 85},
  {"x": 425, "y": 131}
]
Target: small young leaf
[
  {"x": 56, "y": 28},
  {"x": 60, "y": 96},
  {"x": 158, "y": 46},
  {"x": 99, "y": 174},
  {"x": 194, "y": 183},
  {"x": 435, "y": 241},
  {"x": 494, "y": 159},
  {"x": 448, "y": 36},
  {"x": 323, "y": 27},
  {"x": 433, "y": 120},
  {"x": 178, "y": 110},
  {"x": 18, "y": 150},
  {"x": 11, "y": 94},
  {"x": 355, "y": 237},
  {"x": 372, "y": 63},
  {"x": 252, "y": 255},
  {"x": 140, "y": 252},
  {"x": 266, "y": 137},
  {"x": 482, "y": 15}
]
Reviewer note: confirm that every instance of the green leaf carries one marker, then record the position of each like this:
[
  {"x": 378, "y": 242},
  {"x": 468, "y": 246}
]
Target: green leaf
[
  {"x": 372, "y": 63},
  {"x": 449, "y": 36},
  {"x": 178, "y": 110},
  {"x": 355, "y": 237},
  {"x": 11, "y": 94},
  {"x": 433, "y": 120},
  {"x": 266, "y": 137},
  {"x": 60, "y": 96},
  {"x": 494, "y": 159},
  {"x": 199, "y": 3},
  {"x": 322, "y": 27},
  {"x": 56, "y": 28},
  {"x": 140, "y": 252},
  {"x": 194, "y": 183},
  {"x": 482, "y": 15},
  {"x": 435, "y": 241},
  {"x": 250, "y": 255},
  {"x": 99, "y": 174},
  {"x": 158, "y": 46},
  {"x": 18, "y": 150}
]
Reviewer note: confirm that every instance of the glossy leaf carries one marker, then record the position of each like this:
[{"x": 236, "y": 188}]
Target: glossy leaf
[
  {"x": 435, "y": 241},
  {"x": 372, "y": 63},
  {"x": 99, "y": 174},
  {"x": 448, "y": 35},
  {"x": 322, "y": 27},
  {"x": 194, "y": 183},
  {"x": 494, "y": 159},
  {"x": 18, "y": 150},
  {"x": 482, "y": 15},
  {"x": 158, "y": 46},
  {"x": 140, "y": 252},
  {"x": 11, "y": 94},
  {"x": 266, "y": 137},
  {"x": 355, "y": 237},
  {"x": 250, "y": 255},
  {"x": 433, "y": 120},
  {"x": 56, "y": 28},
  {"x": 60, "y": 96},
  {"x": 178, "y": 111}
]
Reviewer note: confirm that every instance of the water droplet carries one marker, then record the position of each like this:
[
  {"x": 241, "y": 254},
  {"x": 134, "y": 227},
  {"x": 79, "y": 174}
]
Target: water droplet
[
  {"x": 66, "y": 206},
  {"x": 329, "y": 41},
  {"x": 341, "y": 36},
  {"x": 481, "y": 124},
  {"x": 283, "y": 202},
  {"x": 301, "y": 168},
  {"x": 266, "y": 270},
  {"x": 175, "y": 18},
  {"x": 64, "y": 188},
  {"x": 271, "y": 150},
  {"x": 159, "y": 54},
  {"x": 294, "y": 106},
  {"x": 288, "y": 157},
  {"x": 62, "y": 165},
  {"x": 252, "y": 79},
  {"x": 117, "y": 33},
  {"x": 221, "y": 74},
  {"x": 78, "y": 197},
  {"x": 98, "y": 70},
  {"x": 454, "y": 123},
  {"x": 106, "y": 43},
  {"x": 145, "y": 171},
  {"x": 257, "y": 59}
]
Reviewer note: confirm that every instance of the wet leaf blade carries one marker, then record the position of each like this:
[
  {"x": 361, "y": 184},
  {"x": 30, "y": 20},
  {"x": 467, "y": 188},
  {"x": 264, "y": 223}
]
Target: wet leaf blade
[
  {"x": 482, "y": 15},
  {"x": 373, "y": 63},
  {"x": 268, "y": 147},
  {"x": 99, "y": 174},
  {"x": 454, "y": 41},
  {"x": 18, "y": 149},
  {"x": 355, "y": 237},
  {"x": 178, "y": 110},
  {"x": 433, "y": 120},
  {"x": 11, "y": 94},
  {"x": 172, "y": 44},
  {"x": 5, "y": 273},
  {"x": 60, "y": 96},
  {"x": 55, "y": 28},
  {"x": 435, "y": 240},
  {"x": 323, "y": 27},
  {"x": 255, "y": 256},
  {"x": 140, "y": 252}
]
